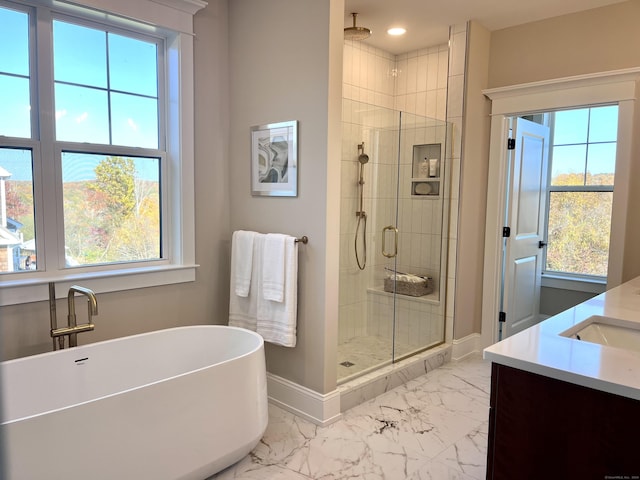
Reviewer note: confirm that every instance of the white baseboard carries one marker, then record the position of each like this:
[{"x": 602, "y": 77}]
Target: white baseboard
[
  {"x": 320, "y": 409},
  {"x": 463, "y": 347}
]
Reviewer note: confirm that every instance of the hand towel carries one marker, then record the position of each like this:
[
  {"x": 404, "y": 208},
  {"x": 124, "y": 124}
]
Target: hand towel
[
  {"x": 241, "y": 261},
  {"x": 273, "y": 267},
  {"x": 243, "y": 310},
  {"x": 277, "y": 321}
]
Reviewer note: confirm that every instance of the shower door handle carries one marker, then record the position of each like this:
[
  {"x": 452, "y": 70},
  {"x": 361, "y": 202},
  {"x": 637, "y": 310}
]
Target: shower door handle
[{"x": 395, "y": 241}]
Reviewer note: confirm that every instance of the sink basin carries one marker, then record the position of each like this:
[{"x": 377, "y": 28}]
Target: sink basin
[{"x": 609, "y": 331}]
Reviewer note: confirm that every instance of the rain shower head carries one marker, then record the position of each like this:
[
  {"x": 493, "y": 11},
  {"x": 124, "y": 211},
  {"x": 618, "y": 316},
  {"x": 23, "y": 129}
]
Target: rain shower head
[{"x": 356, "y": 33}]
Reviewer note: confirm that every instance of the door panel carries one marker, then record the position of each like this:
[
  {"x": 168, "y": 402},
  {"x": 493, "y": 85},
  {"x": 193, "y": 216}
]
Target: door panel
[
  {"x": 525, "y": 216},
  {"x": 525, "y": 288}
]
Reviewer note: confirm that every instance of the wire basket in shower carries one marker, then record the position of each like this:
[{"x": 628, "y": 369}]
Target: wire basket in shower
[{"x": 408, "y": 284}]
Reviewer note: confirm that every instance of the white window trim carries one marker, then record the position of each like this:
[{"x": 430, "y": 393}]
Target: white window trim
[
  {"x": 581, "y": 284},
  {"x": 175, "y": 16},
  {"x": 621, "y": 87}
]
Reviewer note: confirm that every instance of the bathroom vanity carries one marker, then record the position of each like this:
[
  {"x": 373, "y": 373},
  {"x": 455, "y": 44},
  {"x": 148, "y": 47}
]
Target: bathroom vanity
[{"x": 565, "y": 394}]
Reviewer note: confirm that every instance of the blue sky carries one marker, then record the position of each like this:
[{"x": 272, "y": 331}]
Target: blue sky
[
  {"x": 105, "y": 84},
  {"x": 573, "y": 129}
]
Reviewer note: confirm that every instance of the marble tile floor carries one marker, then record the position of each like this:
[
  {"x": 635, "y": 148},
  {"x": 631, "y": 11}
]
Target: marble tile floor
[{"x": 432, "y": 428}]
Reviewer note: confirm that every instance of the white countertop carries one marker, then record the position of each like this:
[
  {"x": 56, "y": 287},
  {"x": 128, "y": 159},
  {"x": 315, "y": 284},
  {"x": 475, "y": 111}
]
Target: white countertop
[{"x": 541, "y": 349}]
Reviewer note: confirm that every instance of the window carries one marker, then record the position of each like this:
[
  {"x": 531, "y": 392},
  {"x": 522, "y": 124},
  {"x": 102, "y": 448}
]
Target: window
[
  {"x": 580, "y": 192},
  {"x": 95, "y": 163}
]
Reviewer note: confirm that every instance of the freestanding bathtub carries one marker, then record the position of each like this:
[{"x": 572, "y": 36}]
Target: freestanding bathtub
[{"x": 181, "y": 403}]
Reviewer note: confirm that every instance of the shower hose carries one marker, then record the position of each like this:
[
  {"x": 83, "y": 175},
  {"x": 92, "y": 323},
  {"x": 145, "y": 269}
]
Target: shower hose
[{"x": 362, "y": 219}]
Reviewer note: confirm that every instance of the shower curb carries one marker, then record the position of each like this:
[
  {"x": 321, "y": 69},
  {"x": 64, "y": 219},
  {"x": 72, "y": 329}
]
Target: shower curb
[{"x": 369, "y": 386}]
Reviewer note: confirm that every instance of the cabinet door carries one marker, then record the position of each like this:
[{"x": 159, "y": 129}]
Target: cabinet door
[{"x": 543, "y": 428}]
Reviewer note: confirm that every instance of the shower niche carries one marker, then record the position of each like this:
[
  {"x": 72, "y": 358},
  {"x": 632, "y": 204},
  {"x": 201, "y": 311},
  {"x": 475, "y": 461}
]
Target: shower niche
[
  {"x": 427, "y": 170},
  {"x": 380, "y": 322}
]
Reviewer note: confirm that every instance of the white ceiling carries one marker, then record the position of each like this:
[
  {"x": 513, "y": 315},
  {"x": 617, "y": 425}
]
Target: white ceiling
[{"x": 427, "y": 21}]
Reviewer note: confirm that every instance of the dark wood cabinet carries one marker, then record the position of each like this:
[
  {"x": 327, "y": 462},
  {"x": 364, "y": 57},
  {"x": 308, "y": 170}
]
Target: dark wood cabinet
[{"x": 542, "y": 428}]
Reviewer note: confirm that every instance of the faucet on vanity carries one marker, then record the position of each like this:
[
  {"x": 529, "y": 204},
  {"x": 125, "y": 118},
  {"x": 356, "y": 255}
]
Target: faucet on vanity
[{"x": 72, "y": 329}]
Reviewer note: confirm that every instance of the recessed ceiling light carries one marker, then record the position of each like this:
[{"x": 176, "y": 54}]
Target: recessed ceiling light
[{"x": 397, "y": 31}]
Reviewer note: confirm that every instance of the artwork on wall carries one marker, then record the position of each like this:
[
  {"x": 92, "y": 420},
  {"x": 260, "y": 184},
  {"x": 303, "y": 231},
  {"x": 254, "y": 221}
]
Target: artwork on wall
[{"x": 274, "y": 159}]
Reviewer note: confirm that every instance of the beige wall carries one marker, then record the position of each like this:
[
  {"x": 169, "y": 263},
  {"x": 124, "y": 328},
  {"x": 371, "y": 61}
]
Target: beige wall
[
  {"x": 473, "y": 185},
  {"x": 596, "y": 40},
  {"x": 286, "y": 64},
  {"x": 24, "y": 329}
]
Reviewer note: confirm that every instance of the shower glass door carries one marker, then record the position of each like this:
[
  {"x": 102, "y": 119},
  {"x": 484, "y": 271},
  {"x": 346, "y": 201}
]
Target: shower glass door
[
  {"x": 391, "y": 237},
  {"x": 422, "y": 200}
]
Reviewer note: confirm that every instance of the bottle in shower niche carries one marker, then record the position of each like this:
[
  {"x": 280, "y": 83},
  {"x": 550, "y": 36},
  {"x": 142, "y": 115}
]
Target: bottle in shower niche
[
  {"x": 423, "y": 168},
  {"x": 433, "y": 167}
]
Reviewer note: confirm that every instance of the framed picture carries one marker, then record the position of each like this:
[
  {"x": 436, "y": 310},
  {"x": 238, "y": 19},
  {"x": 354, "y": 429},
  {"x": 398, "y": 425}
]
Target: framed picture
[{"x": 274, "y": 159}]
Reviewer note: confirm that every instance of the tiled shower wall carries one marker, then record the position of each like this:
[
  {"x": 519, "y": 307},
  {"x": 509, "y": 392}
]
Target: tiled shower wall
[{"x": 415, "y": 82}]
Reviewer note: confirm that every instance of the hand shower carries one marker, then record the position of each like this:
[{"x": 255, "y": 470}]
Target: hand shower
[{"x": 363, "y": 158}]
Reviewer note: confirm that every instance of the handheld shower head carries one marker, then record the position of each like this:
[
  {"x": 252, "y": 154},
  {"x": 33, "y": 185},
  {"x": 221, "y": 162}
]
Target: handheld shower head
[{"x": 362, "y": 157}]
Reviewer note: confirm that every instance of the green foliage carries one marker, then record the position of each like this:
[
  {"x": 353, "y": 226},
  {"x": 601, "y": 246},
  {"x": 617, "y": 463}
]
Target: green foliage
[
  {"x": 114, "y": 218},
  {"x": 579, "y": 227},
  {"x": 115, "y": 179},
  {"x": 19, "y": 197}
]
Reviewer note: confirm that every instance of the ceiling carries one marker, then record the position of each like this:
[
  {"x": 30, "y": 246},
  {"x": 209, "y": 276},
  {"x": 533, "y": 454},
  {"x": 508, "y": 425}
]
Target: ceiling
[{"x": 427, "y": 22}]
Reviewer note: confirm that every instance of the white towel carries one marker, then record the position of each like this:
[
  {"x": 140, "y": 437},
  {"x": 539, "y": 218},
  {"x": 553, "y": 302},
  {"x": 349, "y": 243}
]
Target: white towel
[
  {"x": 243, "y": 310},
  {"x": 241, "y": 261},
  {"x": 277, "y": 321},
  {"x": 273, "y": 267}
]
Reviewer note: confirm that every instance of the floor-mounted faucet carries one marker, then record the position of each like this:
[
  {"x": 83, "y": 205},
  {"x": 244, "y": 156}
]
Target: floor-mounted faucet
[{"x": 72, "y": 329}]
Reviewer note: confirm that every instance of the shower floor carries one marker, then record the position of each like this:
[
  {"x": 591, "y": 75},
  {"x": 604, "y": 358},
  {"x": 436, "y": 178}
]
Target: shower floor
[{"x": 364, "y": 354}]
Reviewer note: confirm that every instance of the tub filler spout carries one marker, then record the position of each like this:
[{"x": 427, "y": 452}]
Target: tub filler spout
[{"x": 72, "y": 329}]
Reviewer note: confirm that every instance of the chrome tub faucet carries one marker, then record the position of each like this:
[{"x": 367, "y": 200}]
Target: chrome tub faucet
[{"x": 72, "y": 329}]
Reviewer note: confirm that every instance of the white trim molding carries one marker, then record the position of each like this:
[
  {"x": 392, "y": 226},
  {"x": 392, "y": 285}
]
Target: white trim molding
[
  {"x": 320, "y": 409},
  {"x": 568, "y": 92},
  {"x": 463, "y": 347},
  {"x": 619, "y": 86}
]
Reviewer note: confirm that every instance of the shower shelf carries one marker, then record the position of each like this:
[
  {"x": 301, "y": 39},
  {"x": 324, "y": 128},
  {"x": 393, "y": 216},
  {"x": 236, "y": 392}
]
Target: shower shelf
[
  {"x": 425, "y": 187},
  {"x": 431, "y": 298}
]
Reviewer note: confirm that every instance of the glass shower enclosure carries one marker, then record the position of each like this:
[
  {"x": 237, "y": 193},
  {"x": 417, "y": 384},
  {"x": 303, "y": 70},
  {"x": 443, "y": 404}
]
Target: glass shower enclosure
[{"x": 395, "y": 199}]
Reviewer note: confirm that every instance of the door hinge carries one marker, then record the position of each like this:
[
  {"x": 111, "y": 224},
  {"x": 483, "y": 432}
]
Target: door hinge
[
  {"x": 511, "y": 143},
  {"x": 502, "y": 317},
  {"x": 506, "y": 232}
]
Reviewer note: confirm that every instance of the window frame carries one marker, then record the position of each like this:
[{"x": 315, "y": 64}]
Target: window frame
[
  {"x": 559, "y": 278},
  {"x": 172, "y": 21}
]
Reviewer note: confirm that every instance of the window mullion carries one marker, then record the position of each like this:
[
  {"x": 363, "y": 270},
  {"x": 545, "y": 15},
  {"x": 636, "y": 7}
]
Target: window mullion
[{"x": 47, "y": 164}]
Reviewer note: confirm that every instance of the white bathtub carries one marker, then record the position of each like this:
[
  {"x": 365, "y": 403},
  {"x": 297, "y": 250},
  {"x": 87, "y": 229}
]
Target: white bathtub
[{"x": 181, "y": 403}]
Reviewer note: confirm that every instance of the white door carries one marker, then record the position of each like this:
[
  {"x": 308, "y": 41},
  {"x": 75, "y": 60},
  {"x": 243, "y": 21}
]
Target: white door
[{"x": 525, "y": 218}]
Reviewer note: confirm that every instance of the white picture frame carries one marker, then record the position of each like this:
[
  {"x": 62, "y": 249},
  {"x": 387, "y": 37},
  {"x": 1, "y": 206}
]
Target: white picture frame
[{"x": 274, "y": 159}]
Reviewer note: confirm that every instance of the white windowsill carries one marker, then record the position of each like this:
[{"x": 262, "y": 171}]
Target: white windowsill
[
  {"x": 590, "y": 285},
  {"x": 36, "y": 289}
]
